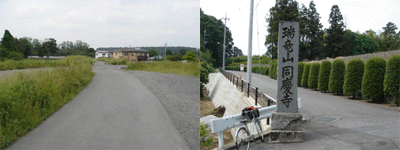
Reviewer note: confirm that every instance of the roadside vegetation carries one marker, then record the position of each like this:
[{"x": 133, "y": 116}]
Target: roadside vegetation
[
  {"x": 30, "y": 63},
  {"x": 172, "y": 67},
  {"x": 28, "y": 99}
]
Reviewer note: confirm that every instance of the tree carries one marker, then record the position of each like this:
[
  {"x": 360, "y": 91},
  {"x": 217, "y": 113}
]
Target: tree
[
  {"x": 36, "y": 45},
  {"x": 153, "y": 53},
  {"x": 300, "y": 73},
  {"x": 311, "y": 33},
  {"x": 49, "y": 46},
  {"x": 169, "y": 52},
  {"x": 8, "y": 42},
  {"x": 389, "y": 39},
  {"x": 190, "y": 56},
  {"x": 284, "y": 10},
  {"x": 335, "y": 39},
  {"x": 24, "y": 46},
  {"x": 183, "y": 51},
  {"x": 306, "y": 72},
  {"x": 359, "y": 44},
  {"x": 215, "y": 38},
  {"x": 237, "y": 52}
]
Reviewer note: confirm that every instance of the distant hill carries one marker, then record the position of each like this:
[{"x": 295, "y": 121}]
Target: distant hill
[{"x": 161, "y": 49}]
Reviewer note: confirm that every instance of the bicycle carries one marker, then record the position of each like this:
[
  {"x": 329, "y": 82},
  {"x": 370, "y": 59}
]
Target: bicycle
[{"x": 243, "y": 136}]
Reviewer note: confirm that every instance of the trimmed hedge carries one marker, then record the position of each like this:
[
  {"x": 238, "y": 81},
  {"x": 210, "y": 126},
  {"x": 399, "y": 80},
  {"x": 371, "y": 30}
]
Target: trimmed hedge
[
  {"x": 306, "y": 72},
  {"x": 392, "y": 79},
  {"x": 323, "y": 76},
  {"x": 372, "y": 84},
  {"x": 313, "y": 76},
  {"x": 336, "y": 79},
  {"x": 273, "y": 69},
  {"x": 353, "y": 77},
  {"x": 300, "y": 73}
]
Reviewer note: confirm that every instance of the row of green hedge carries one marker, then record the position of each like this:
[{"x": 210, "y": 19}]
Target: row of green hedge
[
  {"x": 28, "y": 99},
  {"x": 376, "y": 80},
  {"x": 256, "y": 69}
]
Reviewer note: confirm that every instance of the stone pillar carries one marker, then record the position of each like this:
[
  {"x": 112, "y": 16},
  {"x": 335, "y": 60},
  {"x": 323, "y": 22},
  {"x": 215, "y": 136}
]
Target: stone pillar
[{"x": 286, "y": 123}]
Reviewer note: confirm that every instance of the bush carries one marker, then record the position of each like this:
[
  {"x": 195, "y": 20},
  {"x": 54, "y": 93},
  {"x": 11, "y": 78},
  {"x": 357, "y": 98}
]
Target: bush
[
  {"x": 117, "y": 61},
  {"x": 323, "y": 76},
  {"x": 205, "y": 140},
  {"x": 16, "y": 55},
  {"x": 336, "y": 79},
  {"x": 372, "y": 83},
  {"x": 273, "y": 69},
  {"x": 300, "y": 73},
  {"x": 353, "y": 77},
  {"x": 392, "y": 79},
  {"x": 306, "y": 72},
  {"x": 175, "y": 57},
  {"x": 313, "y": 76}
]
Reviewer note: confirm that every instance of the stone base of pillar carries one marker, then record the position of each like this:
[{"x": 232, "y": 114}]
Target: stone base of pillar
[{"x": 286, "y": 127}]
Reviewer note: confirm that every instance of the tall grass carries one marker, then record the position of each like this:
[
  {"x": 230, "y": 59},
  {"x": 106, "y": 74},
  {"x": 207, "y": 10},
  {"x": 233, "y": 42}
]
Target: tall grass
[
  {"x": 117, "y": 61},
  {"x": 28, "y": 99},
  {"x": 36, "y": 63},
  {"x": 172, "y": 67}
]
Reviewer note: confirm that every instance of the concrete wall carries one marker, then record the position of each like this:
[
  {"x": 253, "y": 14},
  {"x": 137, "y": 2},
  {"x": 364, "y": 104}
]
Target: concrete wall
[{"x": 222, "y": 92}]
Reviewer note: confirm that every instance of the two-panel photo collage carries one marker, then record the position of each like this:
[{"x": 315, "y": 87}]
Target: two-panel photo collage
[{"x": 199, "y": 74}]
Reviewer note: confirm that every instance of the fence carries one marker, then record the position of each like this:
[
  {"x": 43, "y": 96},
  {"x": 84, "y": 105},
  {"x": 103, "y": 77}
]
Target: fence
[{"x": 254, "y": 92}]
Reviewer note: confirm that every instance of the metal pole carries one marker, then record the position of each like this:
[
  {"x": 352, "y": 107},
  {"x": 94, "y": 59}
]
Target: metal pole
[
  {"x": 256, "y": 95},
  {"x": 248, "y": 89},
  {"x": 165, "y": 52},
  {"x": 269, "y": 104},
  {"x": 249, "y": 55},
  {"x": 242, "y": 85},
  {"x": 223, "y": 51}
]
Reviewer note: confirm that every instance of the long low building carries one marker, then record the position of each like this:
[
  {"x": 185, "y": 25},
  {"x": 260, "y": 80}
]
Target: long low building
[{"x": 130, "y": 54}]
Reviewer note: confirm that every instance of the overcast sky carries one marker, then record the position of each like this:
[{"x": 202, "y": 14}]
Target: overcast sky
[
  {"x": 359, "y": 15},
  {"x": 105, "y": 23}
]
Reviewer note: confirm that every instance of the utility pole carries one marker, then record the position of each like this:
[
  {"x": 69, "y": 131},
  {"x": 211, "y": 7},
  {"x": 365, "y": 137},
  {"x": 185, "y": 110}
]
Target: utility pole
[
  {"x": 249, "y": 55},
  {"x": 205, "y": 33},
  {"x": 165, "y": 52},
  {"x": 223, "y": 51}
]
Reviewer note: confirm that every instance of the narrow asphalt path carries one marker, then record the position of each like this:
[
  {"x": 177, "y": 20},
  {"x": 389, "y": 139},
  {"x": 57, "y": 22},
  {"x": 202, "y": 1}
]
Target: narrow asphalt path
[
  {"x": 180, "y": 97},
  {"x": 115, "y": 111},
  {"x": 358, "y": 120}
]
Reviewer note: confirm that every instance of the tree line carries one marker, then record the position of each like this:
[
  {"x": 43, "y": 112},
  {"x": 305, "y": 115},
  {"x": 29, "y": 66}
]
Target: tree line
[
  {"x": 336, "y": 40},
  {"x": 19, "y": 48}
]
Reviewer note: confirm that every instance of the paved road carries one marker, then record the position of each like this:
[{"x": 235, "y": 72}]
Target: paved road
[
  {"x": 358, "y": 121},
  {"x": 115, "y": 111},
  {"x": 181, "y": 99}
]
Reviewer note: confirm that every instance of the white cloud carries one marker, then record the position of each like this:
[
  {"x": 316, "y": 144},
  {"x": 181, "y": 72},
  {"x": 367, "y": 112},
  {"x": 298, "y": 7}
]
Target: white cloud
[{"x": 137, "y": 23}]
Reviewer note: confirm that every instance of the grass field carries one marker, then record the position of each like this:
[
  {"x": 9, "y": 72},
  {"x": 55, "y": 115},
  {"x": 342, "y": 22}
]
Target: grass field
[
  {"x": 172, "y": 67},
  {"x": 28, "y": 99}
]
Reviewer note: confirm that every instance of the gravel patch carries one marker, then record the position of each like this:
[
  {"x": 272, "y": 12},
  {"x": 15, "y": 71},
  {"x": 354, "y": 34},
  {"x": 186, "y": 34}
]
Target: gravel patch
[{"x": 180, "y": 97}]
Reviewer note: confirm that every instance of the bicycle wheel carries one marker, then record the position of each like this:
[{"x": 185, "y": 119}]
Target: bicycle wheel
[
  {"x": 260, "y": 131},
  {"x": 242, "y": 140}
]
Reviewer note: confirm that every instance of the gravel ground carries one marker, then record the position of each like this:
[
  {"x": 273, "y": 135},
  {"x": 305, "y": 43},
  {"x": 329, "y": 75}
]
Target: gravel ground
[{"x": 180, "y": 97}]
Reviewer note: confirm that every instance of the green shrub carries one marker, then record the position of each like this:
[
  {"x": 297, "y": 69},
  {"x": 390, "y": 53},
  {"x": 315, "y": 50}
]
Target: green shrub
[
  {"x": 313, "y": 76},
  {"x": 273, "y": 69},
  {"x": 205, "y": 140},
  {"x": 101, "y": 59},
  {"x": 16, "y": 55},
  {"x": 172, "y": 67},
  {"x": 372, "y": 83},
  {"x": 300, "y": 73},
  {"x": 353, "y": 77},
  {"x": 392, "y": 79},
  {"x": 117, "y": 61},
  {"x": 265, "y": 71},
  {"x": 306, "y": 72},
  {"x": 336, "y": 79},
  {"x": 323, "y": 76}
]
